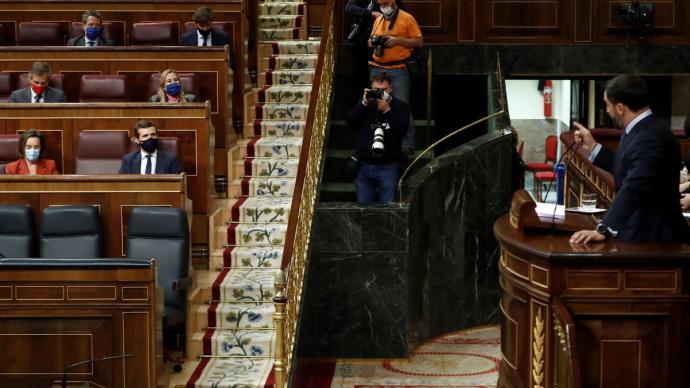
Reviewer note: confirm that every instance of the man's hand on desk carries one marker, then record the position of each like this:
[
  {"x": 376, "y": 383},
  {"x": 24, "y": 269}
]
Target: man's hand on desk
[
  {"x": 586, "y": 237},
  {"x": 584, "y": 136}
]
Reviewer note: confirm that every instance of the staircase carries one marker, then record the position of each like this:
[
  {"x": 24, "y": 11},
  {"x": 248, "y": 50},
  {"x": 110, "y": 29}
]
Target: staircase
[{"x": 230, "y": 321}]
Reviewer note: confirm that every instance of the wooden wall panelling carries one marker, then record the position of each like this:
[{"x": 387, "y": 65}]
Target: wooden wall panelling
[
  {"x": 524, "y": 21},
  {"x": 670, "y": 25},
  {"x": 113, "y": 195}
]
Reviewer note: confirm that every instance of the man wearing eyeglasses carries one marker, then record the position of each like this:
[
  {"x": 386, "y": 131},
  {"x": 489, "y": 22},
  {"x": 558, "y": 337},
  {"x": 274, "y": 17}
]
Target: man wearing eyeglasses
[{"x": 38, "y": 90}]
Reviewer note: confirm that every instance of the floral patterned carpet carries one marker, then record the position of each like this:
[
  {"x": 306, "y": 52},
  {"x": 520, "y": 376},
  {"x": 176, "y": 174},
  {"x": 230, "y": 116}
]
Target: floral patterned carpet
[
  {"x": 466, "y": 359},
  {"x": 239, "y": 337}
]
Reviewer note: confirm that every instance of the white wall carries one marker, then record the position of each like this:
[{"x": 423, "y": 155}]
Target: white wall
[{"x": 526, "y": 102}]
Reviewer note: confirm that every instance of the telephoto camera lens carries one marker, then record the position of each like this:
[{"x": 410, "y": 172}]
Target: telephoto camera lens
[{"x": 377, "y": 147}]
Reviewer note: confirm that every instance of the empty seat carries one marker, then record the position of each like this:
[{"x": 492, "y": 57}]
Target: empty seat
[
  {"x": 114, "y": 31},
  {"x": 40, "y": 34},
  {"x": 155, "y": 34},
  {"x": 7, "y": 31},
  {"x": 100, "y": 152},
  {"x": 163, "y": 233},
  {"x": 16, "y": 231},
  {"x": 8, "y": 149},
  {"x": 5, "y": 86},
  {"x": 71, "y": 232},
  {"x": 56, "y": 81},
  {"x": 189, "y": 83},
  {"x": 104, "y": 88},
  {"x": 168, "y": 144}
]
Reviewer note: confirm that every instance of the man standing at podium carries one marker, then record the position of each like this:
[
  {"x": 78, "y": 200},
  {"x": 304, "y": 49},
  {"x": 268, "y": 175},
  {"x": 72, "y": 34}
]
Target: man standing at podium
[{"x": 646, "y": 207}]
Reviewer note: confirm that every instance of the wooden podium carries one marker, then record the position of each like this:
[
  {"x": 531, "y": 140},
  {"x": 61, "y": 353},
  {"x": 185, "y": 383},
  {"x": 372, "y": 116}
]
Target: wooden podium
[{"x": 607, "y": 315}]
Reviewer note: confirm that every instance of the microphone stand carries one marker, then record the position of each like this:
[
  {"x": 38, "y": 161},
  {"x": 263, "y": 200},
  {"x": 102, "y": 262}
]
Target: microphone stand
[{"x": 64, "y": 371}]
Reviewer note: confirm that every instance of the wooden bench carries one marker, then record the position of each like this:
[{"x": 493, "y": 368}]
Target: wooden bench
[
  {"x": 138, "y": 63},
  {"x": 61, "y": 124}
]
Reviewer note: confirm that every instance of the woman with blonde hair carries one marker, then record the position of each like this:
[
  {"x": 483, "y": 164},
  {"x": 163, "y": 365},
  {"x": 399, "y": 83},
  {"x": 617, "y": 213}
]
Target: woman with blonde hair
[{"x": 170, "y": 89}]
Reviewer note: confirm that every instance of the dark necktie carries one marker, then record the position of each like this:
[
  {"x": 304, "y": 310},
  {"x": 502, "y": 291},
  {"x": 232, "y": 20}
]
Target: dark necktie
[
  {"x": 90, "y": 43},
  {"x": 38, "y": 98},
  {"x": 205, "y": 41},
  {"x": 148, "y": 165}
]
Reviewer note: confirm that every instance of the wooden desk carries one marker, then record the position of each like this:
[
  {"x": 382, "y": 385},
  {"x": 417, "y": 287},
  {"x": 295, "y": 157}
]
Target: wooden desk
[
  {"x": 115, "y": 196},
  {"x": 56, "y": 314},
  {"x": 61, "y": 124},
  {"x": 138, "y": 63},
  {"x": 604, "y": 315},
  {"x": 129, "y": 12}
]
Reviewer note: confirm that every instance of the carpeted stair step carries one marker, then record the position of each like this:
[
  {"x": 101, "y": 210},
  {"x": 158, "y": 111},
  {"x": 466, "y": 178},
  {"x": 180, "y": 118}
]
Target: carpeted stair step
[
  {"x": 233, "y": 373},
  {"x": 271, "y": 34},
  {"x": 271, "y": 167},
  {"x": 257, "y": 234},
  {"x": 285, "y": 94},
  {"x": 244, "y": 285},
  {"x": 289, "y": 62},
  {"x": 237, "y": 315},
  {"x": 281, "y": 8},
  {"x": 280, "y": 21},
  {"x": 274, "y": 147},
  {"x": 267, "y": 186},
  {"x": 295, "y": 47},
  {"x": 280, "y": 112},
  {"x": 261, "y": 209},
  {"x": 254, "y": 257},
  {"x": 286, "y": 77},
  {"x": 275, "y": 128},
  {"x": 233, "y": 343}
]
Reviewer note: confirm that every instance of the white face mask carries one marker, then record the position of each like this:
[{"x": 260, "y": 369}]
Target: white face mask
[{"x": 387, "y": 10}]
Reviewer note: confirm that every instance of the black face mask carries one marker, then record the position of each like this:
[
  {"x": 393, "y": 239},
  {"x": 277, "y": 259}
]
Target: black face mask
[
  {"x": 203, "y": 33},
  {"x": 149, "y": 145}
]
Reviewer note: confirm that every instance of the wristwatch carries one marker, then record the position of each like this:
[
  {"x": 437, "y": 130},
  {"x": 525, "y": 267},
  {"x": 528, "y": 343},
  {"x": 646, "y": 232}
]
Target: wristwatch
[{"x": 603, "y": 229}]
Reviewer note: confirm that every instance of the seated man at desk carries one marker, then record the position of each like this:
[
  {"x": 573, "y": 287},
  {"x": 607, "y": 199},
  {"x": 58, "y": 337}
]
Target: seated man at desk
[
  {"x": 645, "y": 170},
  {"x": 148, "y": 159},
  {"x": 92, "y": 25},
  {"x": 38, "y": 89}
]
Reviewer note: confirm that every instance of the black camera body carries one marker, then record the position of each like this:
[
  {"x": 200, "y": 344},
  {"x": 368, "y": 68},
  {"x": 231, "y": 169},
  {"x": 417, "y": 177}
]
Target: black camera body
[
  {"x": 639, "y": 14},
  {"x": 374, "y": 94},
  {"x": 379, "y": 44}
]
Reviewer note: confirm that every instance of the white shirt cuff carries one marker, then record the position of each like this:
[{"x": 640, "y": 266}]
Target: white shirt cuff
[{"x": 595, "y": 152}]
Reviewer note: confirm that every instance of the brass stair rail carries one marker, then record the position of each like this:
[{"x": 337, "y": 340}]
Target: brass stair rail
[
  {"x": 431, "y": 147},
  {"x": 289, "y": 281}
]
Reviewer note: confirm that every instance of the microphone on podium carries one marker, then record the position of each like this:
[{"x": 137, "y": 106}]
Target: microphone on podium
[
  {"x": 548, "y": 188},
  {"x": 64, "y": 371}
]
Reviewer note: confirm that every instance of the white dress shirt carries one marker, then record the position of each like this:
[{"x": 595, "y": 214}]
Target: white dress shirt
[
  {"x": 200, "y": 39},
  {"x": 33, "y": 96},
  {"x": 153, "y": 162},
  {"x": 86, "y": 42},
  {"x": 628, "y": 128}
]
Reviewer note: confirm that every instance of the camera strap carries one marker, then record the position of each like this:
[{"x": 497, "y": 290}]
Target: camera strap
[{"x": 393, "y": 18}]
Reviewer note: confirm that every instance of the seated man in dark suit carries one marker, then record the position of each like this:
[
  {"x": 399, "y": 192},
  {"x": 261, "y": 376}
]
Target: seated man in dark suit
[
  {"x": 92, "y": 24},
  {"x": 205, "y": 34},
  {"x": 148, "y": 160},
  {"x": 38, "y": 89}
]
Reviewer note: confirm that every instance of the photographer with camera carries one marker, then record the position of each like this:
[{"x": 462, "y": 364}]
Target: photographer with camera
[
  {"x": 393, "y": 37},
  {"x": 382, "y": 121},
  {"x": 363, "y": 13}
]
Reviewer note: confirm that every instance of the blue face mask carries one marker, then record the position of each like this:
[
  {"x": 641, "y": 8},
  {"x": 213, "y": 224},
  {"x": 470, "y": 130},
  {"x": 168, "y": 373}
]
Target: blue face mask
[
  {"x": 173, "y": 89},
  {"x": 32, "y": 154},
  {"x": 92, "y": 33}
]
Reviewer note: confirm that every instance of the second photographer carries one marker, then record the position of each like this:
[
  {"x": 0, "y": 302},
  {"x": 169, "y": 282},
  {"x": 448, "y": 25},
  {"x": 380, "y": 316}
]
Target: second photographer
[{"x": 381, "y": 121}]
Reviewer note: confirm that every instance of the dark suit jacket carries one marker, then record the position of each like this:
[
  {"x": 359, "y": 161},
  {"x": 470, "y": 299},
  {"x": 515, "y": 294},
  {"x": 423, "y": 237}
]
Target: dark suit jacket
[
  {"x": 166, "y": 163},
  {"x": 218, "y": 38},
  {"x": 81, "y": 41},
  {"x": 24, "y": 95},
  {"x": 646, "y": 207}
]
